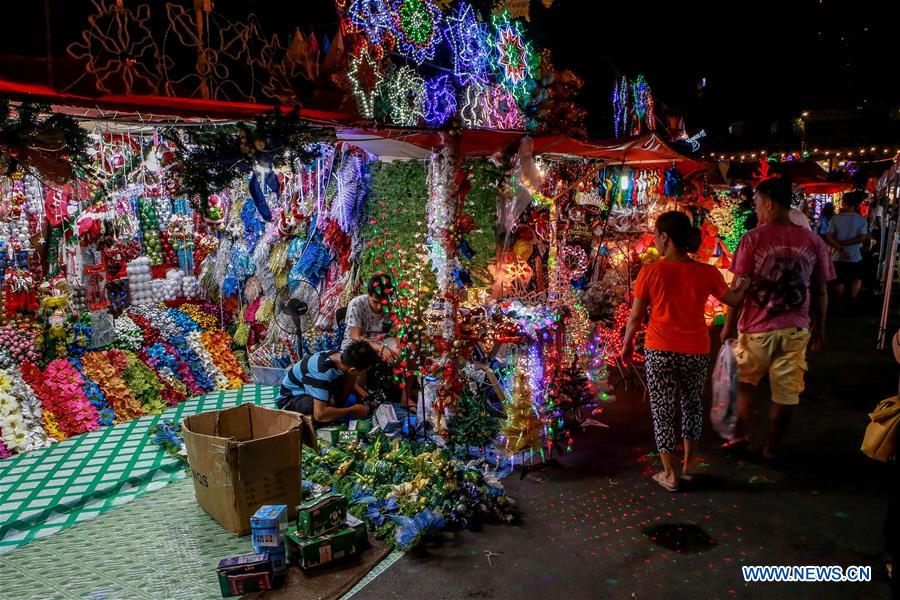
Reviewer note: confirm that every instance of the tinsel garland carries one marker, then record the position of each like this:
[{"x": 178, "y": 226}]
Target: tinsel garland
[
  {"x": 67, "y": 400},
  {"x": 404, "y": 490},
  {"x": 481, "y": 205},
  {"x": 220, "y": 382},
  {"x": 163, "y": 358},
  {"x": 197, "y": 370},
  {"x": 106, "y": 368},
  {"x": 218, "y": 345}
]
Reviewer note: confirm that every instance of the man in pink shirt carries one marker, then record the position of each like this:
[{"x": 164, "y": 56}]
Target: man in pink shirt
[{"x": 783, "y": 312}]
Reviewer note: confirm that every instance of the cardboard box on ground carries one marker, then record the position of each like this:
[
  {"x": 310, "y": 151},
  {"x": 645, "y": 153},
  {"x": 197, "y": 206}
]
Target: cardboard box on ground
[{"x": 243, "y": 458}]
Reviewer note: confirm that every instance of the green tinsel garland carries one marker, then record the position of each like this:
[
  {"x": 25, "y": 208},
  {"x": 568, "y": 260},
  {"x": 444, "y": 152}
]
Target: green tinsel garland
[
  {"x": 481, "y": 205},
  {"x": 397, "y": 201}
]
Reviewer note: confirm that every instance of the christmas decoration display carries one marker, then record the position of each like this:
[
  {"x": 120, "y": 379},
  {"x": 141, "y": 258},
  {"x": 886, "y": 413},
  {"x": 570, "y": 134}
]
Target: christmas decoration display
[
  {"x": 418, "y": 28},
  {"x": 513, "y": 58}
]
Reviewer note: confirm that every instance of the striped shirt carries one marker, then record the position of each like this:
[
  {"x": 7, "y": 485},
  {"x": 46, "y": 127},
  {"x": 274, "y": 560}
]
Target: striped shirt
[{"x": 312, "y": 376}]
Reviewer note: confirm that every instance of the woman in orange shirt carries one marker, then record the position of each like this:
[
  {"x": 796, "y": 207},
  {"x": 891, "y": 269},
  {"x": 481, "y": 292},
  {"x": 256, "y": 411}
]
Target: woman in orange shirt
[{"x": 677, "y": 342}]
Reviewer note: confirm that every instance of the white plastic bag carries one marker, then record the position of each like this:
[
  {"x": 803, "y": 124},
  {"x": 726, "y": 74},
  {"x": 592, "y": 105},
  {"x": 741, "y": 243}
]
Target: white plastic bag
[{"x": 723, "y": 414}]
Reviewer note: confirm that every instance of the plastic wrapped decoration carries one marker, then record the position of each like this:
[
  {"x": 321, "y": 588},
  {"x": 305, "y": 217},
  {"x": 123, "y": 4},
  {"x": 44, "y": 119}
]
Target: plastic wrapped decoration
[{"x": 674, "y": 184}]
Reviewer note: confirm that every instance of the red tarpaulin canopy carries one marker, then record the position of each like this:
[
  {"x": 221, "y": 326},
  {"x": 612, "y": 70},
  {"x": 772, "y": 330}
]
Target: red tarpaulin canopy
[{"x": 646, "y": 150}]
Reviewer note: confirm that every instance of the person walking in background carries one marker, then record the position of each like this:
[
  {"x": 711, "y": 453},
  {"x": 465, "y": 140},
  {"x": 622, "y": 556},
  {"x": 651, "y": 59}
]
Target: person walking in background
[
  {"x": 847, "y": 232},
  {"x": 824, "y": 219},
  {"x": 676, "y": 289},
  {"x": 784, "y": 310}
]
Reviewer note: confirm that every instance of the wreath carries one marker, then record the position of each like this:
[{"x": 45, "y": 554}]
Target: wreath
[
  {"x": 210, "y": 159},
  {"x": 54, "y": 146}
]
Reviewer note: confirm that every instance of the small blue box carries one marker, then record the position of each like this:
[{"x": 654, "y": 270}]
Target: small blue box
[
  {"x": 279, "y": 561},
  {"x": 264, "y": 540},
  {"x": 270, "y": 517}
]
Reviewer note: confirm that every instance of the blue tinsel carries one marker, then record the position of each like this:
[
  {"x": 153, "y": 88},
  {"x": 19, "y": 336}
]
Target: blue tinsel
[{"x": 410, "y": 528}]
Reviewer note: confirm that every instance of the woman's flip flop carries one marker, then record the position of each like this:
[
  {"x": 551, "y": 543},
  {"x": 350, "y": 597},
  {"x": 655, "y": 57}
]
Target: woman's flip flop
[{"x": 658, "y": 478}]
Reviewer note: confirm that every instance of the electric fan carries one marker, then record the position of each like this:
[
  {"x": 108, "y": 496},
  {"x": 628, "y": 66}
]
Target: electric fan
[{"x": 296, "y": 311}]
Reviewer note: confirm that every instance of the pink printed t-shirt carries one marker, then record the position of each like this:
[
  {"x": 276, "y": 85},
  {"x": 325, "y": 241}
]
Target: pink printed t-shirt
[{"x": 782, "y": 261}]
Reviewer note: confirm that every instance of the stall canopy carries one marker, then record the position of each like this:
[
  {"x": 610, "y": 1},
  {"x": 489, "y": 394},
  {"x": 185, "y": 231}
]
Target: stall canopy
[
  {"x": 386, "y": 143},
  {"x": 807, "y": 174}
]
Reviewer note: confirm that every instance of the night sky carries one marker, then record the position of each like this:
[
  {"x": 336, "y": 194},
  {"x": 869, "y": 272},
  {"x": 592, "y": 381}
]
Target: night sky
[{"x": 763, "y": 62}]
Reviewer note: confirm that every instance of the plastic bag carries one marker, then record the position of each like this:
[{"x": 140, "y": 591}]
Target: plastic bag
[{"x": 723, "y": 414}]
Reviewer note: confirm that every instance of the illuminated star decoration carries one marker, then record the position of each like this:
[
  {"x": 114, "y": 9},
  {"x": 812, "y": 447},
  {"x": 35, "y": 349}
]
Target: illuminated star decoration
[
  {"x": 501, "y": 110},
  {"x": 365, "y": 77},
  {"x": 440, "y": 100},
  {"x": 468, "y": 40},
  {"x": 417, "y": 24},
  {"x": 513, "y": 57},
  {"x": 405, "y": 91},
  {"x": 371, "y": 18}
]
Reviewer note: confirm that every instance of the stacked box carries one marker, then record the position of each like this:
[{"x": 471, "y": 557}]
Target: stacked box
[
  {"x": 321, "y": 515},
  {"x": 328, "y": 434},
  {"x": 318, "y": 551},
  {"x": 347, "y": 437},
  {"x": 268, "y": 527},
  {"x": 246, "y": 573}
]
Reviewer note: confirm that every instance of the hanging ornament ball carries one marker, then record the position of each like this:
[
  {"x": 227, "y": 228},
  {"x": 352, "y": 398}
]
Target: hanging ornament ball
[{"x": 522, "y": 249}]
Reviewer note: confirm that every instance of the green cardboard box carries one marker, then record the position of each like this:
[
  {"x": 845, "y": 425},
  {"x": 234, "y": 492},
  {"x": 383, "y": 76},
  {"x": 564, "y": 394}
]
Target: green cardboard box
[
  {"x": 328, "y": 434},
  {"x": 346, "y": 437},
  {"x": 328, "y": 548},
  {"x": 321, "y": 515}
]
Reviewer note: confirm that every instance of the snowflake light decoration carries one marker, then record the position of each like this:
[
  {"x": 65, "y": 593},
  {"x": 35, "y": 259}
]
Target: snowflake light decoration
[
  {"x": 417, "y": 25},
  {"x": 514, "y": 58},
  {"x": 118, "y": 46},
  {"x": 468, "y": 37},
  {"x": 365, "y": 77},
  {"x": 440, "y": 100},
  {"x": 642, "y": 104},
  {"x": 405, "y": 92},
  {"x": 370, "y": 18}
]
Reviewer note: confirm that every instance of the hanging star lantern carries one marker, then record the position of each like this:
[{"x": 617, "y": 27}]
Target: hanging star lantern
[{"x": 365, "y": 78}]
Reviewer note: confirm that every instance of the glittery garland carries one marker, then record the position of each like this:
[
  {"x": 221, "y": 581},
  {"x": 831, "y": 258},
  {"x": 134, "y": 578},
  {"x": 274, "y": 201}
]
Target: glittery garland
[
  {"x": 218, "y": 344},
  {"x": 220, "y": 382}
]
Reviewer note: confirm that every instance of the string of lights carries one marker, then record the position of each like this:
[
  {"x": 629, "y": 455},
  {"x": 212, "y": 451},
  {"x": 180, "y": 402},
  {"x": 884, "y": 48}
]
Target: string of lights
[{"x": 861, "y": 153}]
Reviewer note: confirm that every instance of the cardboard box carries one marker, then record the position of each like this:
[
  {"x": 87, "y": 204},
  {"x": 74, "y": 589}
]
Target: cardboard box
[
  {"x": 325, "y": 549},
  {"x": 346, "y": 437},
  {"x": 321, "y": 515},
  {"x": 278, "y": 559},
  {"x": 243, "y": 458},
  {"x": 328, "y": 434},
  {"x": 251, "y": 582},
  {"x": 268, "y": 528},
  {"x": 239, "y": 566}
]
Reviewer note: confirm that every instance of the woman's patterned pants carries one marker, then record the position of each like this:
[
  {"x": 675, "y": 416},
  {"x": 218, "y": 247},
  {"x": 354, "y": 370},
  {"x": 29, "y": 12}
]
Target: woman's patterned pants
[{"x": 674, "y": 377}]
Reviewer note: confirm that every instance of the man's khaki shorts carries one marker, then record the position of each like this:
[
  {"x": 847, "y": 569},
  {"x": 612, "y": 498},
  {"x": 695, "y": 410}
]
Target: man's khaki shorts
[{"x": 780, "y": 353}]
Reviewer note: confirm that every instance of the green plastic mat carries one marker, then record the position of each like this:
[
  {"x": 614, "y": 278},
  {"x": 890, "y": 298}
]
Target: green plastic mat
[
  {"x": 46, "y": 491},
  {"x": 162, "y": 545}
]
